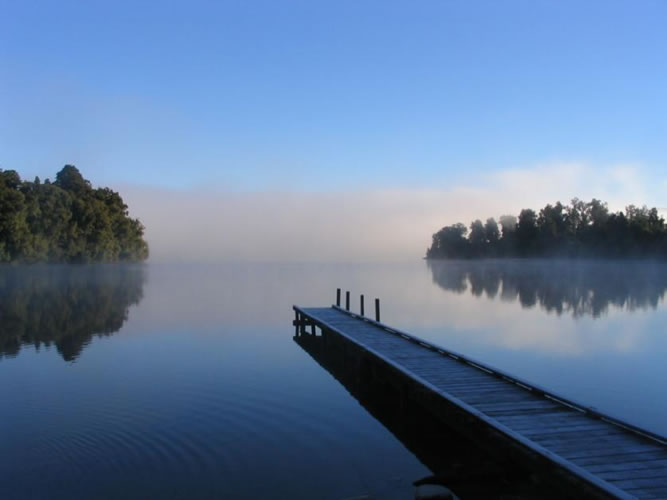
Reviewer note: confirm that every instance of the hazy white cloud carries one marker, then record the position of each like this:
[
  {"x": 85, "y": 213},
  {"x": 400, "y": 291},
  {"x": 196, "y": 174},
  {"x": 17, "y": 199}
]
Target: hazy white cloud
[{"x": 394, "y": 224}]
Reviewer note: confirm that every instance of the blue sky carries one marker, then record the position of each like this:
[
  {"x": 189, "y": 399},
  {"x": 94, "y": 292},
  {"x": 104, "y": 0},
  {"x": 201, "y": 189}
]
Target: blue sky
[{"x": 321, "y": 96}]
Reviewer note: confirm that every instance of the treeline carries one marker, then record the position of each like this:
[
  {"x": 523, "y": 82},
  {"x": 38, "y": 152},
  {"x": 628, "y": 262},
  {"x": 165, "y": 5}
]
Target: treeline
[
  {"x": 579, "y": 229},
  {"x": 65, "y": 221}
]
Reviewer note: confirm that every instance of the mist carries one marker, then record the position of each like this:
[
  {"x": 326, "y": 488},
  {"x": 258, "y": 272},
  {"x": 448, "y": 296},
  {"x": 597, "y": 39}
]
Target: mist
[{"x": 211, "y": 224}]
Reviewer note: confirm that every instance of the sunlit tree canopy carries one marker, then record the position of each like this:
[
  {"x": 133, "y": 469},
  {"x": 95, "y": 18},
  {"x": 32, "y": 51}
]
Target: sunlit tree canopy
[{"x": 65, "y": 221}]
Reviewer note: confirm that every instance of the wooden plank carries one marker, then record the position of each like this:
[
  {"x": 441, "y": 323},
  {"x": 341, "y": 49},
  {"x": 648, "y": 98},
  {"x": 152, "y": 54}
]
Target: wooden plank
[
  {"x": 640, "y": 483},
  {"x": 628, "y": 466},
  {"x": 495, "y": 395},
  {"x": 491, "y": 406},
  {"x": 449, "y": 379},
  {"x": 616, "y": 458},
  {"x": 647, "y": 492},
  {"x": 572, "y": 449},
  {"x": 456, "y": 380},
  {"x": 559, "y": 417},
  {"x": 588, "y": 457},
  {"x": 457, "y": 383},
  {"x": 659, "y": 472},
  {"x": 549, "y": 428},
  {"x": 644, "y": 495},
  {"x": 557, "y": 436},
  {"x": 593, "y": 438},
  {"x": 481, "y": 388},
  {"x": 525, "y": 411},
  {"x": 454, "y": 368},
  {"x": 538, "y": 430},
  {"x": 510, "y": 399},
  {"x": 507, "y": 389}
]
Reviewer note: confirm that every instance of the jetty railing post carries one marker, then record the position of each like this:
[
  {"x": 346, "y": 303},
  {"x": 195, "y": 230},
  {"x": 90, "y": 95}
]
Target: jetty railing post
[
  {"x": 347, "y": 301},
  {"x": 361, "y": 299},
  {"x": 296, "y": 323},
  {"x": 338, "y": 297},
  {"x": 377, "y": 310}
]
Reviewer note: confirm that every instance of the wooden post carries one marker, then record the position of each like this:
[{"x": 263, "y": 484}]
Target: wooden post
[
  {"x": 296, "y": 323},
  {"x": 361, "y": 299},
  {"x": 377, "y": 310},
  {"x": 347, "y": 301},
  {"x": 338, "y": 297}
]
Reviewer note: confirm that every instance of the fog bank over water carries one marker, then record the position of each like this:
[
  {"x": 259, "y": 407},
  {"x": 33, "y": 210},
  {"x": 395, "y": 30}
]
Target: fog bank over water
[{"x": 364, "y": 223}]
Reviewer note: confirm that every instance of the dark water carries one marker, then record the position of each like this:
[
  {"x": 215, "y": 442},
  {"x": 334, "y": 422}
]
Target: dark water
[{"x": 184, "y": 381}]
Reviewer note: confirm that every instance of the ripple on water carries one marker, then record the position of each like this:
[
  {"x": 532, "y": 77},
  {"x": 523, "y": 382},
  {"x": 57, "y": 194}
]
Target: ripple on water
[{"x": 200, "y": 429}]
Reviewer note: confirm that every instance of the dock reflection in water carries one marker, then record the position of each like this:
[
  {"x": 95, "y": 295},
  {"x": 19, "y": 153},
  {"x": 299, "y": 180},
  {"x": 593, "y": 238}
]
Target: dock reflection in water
[
  {"x": 455, "y": 461},
  {"x": 65, "y": 306}
]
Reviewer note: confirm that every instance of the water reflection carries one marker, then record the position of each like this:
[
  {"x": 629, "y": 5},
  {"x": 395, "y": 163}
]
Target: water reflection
[
  {"x": 64, "y": 306},
  {"x": 573, "y": 287}
]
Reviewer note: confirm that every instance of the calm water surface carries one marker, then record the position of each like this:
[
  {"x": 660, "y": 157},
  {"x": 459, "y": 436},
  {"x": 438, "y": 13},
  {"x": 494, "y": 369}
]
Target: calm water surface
[{"x": 183, "y": 381}]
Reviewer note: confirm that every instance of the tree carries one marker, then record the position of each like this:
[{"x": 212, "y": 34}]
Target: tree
[
  {"x": 65, "y": 221},
  {"x": 578, "y": 216},
  {"x": 552, "y": 228},
  {"x": 477, "y": 238},
  {"x": 526, "y": 231},
  {"x": 599, "y": 213},
  {"x": 70, "y": 179},
  {"x": 450, "y": 242},
  {"x": 508, "y": 224},
  {"x": 491, "y": 230}
]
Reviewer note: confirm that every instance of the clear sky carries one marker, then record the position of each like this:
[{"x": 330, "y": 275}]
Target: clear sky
[
  {"x": 323, "y": 95},
  {"x": 314, "y": 96}
]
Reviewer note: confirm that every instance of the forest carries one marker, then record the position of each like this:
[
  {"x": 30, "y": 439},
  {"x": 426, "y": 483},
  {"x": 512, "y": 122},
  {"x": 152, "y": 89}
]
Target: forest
[
  {"x": 66, "y": 220},
  {"x": 579, "y": 229}
]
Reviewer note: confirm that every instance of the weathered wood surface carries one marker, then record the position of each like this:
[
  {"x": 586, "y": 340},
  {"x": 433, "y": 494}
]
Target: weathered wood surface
[{"x": 612, "y": 457}]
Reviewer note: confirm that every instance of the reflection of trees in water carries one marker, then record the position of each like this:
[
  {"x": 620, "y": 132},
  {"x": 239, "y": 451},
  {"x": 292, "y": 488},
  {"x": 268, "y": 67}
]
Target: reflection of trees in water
[
  {"x": 65, "y": 306},
  {"x": 572, "y": 286}
]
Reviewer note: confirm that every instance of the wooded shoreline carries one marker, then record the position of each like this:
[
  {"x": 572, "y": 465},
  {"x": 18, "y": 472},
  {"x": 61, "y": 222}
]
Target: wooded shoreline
[
  {"x": 65, "y": 221},
  {"x": 577, "y": 230}
]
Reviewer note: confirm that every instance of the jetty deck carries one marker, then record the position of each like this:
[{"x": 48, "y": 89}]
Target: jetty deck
[{"x": 587, "y": 453}]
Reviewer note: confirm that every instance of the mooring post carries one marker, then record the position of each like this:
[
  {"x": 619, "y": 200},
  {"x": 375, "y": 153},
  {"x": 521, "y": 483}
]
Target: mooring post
[
  {"x": 338, "y": 297},
  {"x": 296, "y": 322},
  {"x": 361, "y": 299},
  {"x": 347, "y": 301},
  {"x": 377, "y": 310}
]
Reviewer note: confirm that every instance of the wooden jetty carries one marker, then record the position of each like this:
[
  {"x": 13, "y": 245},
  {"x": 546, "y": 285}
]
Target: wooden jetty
[
  {"x": 576, "y": 450},
  {"x": 454, "y": 460}
]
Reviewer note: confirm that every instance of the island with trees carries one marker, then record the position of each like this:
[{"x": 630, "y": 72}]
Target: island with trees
[
  {"x": 579, "y": 229},
  {"x": 66, "y": 220}
]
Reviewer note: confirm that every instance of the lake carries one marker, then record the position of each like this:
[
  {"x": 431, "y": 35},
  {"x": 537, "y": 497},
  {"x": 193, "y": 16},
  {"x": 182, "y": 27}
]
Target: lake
[{"x": 183, "y": 381}]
